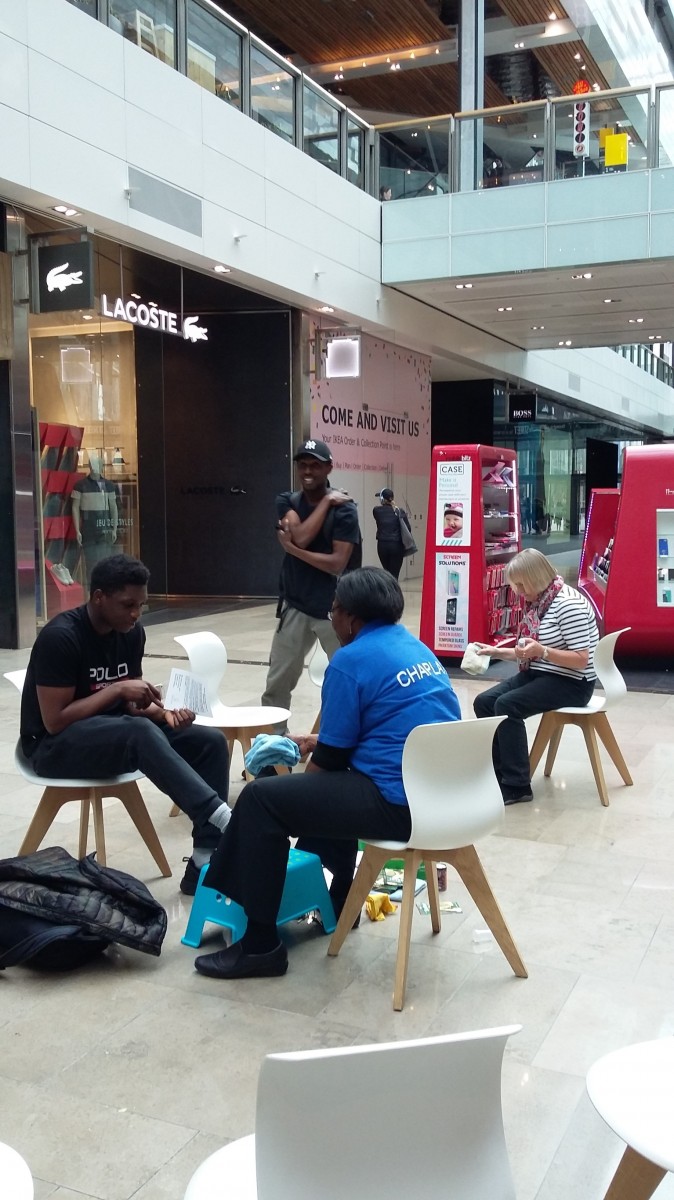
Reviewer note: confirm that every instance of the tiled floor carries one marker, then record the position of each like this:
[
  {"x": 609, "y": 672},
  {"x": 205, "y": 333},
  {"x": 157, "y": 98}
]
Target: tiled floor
[{"x": 116, "y": 1081}]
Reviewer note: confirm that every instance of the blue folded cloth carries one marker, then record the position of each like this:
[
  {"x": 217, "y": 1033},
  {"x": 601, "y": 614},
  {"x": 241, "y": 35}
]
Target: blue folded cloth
[{"x": 270, "y": 750}]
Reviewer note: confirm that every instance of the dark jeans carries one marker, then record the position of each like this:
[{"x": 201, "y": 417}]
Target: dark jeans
[
  {"x": 391, "y": 557},
  {"x": 523, "y": 695},
  {"x": 327, "y": 810},
  {"x": 191, "y": 765}
]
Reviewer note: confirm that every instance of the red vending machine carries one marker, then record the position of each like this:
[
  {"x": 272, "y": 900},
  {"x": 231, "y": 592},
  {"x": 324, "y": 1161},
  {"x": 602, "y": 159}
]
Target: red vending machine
[
  {"x": 473, "y": 531},
  {"x": 627, "y": 562}
]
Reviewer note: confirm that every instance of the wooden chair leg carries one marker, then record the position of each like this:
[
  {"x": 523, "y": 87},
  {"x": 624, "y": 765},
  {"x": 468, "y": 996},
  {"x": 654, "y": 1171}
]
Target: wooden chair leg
[
  {"x": 175, "y": 811},
  {"x": 99, "y": 828},
  {"x": 587, "y": 726},
  {"x": 433, "y": 893},
  {"x": 84, "y": 827},
  {"x": 553, "y": 747},
  {"x": 607, "y": 736},
  {"x": 543, "y": 735},
  {"x": 317, "y": 723},
  {"x": 51, "y": 801},
  {"x": 131, "y": 798},
  {"x": 635, "y": 1179},
  {"x": 412, "y": 863},
  {"x": 471, "y": 871},
  {"x": 369, "y": 867}
]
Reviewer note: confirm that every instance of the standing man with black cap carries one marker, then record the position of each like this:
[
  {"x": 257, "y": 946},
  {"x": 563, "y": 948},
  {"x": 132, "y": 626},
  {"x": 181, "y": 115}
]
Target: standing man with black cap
[{"x": 318, "y": 529}]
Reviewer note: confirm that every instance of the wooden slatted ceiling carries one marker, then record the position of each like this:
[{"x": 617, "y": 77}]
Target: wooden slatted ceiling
[{"x": 557, "y": 61}]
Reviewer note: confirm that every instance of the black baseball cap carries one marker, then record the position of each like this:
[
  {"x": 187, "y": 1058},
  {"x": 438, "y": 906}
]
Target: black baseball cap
[
  {"x": 313, "y": 449},
  {"x": 384, "y": 494}
]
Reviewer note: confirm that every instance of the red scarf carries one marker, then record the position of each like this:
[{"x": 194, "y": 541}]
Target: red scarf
[{"x": 534, "y": 611}]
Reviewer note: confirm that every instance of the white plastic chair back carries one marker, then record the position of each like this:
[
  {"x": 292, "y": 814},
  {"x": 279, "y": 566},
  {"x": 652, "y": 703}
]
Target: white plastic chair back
[
  {"x": 449, "y": 780},
  {"x": 18, "y": 678},
  {"x": 318, "y": 664},
  {"x": 608, "y": 674},
  {"x": 207, "y": 655},
  {"x": 16, "y": 1181},
  {"x": 326, "y": 1123}
]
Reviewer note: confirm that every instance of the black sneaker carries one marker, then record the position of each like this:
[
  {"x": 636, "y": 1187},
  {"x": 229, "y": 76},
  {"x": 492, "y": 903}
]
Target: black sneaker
[
  {"x": 512, "y": 796},
  {"x": 189, "y": 881},
  {"x": 234, "y": 963}
]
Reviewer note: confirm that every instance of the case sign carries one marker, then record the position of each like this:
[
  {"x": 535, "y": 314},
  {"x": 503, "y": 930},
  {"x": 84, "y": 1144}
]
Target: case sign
[
  {"x": 451, "y": 602},
  {"x": 453, "y": 498}
]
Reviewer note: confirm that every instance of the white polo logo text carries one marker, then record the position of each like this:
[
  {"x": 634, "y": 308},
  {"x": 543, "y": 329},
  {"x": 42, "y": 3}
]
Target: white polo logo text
[
  {"x": 413, "y": 674},
  {"x": 108, "y": 674},
  {"x": 56, "y": 280}
]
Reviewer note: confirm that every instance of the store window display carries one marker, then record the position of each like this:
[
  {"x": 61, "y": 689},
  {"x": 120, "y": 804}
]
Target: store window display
[{"x": 95, "y": 514}]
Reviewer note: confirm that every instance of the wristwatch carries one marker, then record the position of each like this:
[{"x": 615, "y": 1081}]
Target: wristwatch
[{"x": 545, "y": 655}]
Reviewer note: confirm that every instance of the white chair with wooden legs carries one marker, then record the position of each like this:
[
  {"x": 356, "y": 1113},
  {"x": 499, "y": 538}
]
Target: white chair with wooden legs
[
  {"x": 89, "y": 793},
  {"x": 208, "y": 659},
  {"x": 16, "y": 1181},
  {"x": 318, "y": 665},
  {"x": 591, "y": 719},
  {"x": 454, "y": 799},
  {"x": 320, "y": 1125},
  {"x": 633, "y": 1090}
]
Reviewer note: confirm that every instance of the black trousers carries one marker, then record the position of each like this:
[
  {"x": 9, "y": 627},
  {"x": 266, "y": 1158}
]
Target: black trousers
[
  {"x": 326, "y": 810},
  {"x": 523, "y": 695},
  {"x": 391, "y": 557},
  {"x": 191, "y": 764}
]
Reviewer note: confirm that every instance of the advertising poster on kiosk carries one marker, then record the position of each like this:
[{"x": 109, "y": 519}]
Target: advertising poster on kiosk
[
  {"x": 453, "y": 496},
  {"x": 451, "y": 602}
]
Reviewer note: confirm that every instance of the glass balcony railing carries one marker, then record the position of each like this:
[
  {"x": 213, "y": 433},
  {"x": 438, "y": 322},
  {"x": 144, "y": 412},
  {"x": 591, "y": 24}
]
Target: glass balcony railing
[{"x": 642, "y": 356}]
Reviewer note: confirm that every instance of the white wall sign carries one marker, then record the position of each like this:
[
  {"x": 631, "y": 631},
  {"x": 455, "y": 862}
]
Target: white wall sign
[{"x": 150, "y": 316}]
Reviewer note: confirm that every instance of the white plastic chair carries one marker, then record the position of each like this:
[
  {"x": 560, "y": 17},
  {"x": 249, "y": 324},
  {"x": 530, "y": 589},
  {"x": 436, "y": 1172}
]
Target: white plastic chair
[
  {"x": 90, "y": 794},
  {"x": 591, "y": 719},
  {"x": 633, "y": 1090},
  {"x": 208, "y": 659},
  {"x": 318, "y": 665},
  {"x": 454, "y": 799},
  {"x": 16, "y": 1181},
  {"x": 322, "y": 1116}
]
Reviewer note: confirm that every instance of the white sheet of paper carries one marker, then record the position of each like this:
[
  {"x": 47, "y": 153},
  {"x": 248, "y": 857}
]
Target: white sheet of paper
[{"x": 185, "y": 690}]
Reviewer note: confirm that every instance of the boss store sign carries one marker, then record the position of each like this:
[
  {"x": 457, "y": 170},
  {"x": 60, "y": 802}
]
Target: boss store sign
[{"x": 65, "y": 277}]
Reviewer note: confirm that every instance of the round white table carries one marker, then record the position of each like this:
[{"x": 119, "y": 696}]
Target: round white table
[{"x": 633, "y": 1090}]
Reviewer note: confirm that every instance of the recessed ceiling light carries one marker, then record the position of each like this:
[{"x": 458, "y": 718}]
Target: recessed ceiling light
[
  {"x": 135, "y": 295},
  {"x": 538, "y": 327},
  {"x": 577, "y": 57},
  {"x": 654, "y": 337},
  {"x": 67, "y": 212},
  {"x": 566, "y": 343},
  {"x": 552, "y": 16},
  {"x": 326, "y": 308},
  {"x": 221, "y": 270},
  {"x": 460, "y": 286},
  {"x": 87, "y": 317},
  {"x": 505, "y": 308},
  {"x": 636, "y": 320},
  {"x": 608, "y": 300}
]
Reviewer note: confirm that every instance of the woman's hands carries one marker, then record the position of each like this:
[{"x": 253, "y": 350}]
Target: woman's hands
[
  {"x": 505, "y": 652},
  {"x": 528, "y": 649},
  {"x": 307, "y": 742}
]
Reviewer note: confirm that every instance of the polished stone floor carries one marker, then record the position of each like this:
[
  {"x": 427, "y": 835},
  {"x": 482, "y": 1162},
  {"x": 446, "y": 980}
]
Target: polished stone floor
[{"x": 116, "y": 1081}]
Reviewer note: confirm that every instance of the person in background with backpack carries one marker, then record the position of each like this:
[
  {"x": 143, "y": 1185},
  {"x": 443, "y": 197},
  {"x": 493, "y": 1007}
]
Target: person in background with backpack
[
  {"x": 387, "y": 518},
  {"x": 319, "y": 532}
]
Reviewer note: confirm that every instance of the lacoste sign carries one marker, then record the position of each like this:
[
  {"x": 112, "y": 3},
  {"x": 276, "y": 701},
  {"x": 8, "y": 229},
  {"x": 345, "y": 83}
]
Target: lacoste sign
[
  {"x": 151, "y": 316},
  {"x": 64, "y": 277}
]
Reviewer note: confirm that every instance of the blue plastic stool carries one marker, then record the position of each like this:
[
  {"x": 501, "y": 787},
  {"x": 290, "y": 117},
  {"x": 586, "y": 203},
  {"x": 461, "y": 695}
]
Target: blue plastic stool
[{"x": 305, "y": 889}]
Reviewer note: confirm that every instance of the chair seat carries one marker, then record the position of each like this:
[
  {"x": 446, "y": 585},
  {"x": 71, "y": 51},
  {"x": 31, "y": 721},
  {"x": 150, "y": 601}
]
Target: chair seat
[
  {"x": 231, "y": 1170},
  {"x": 594, "y": 705},
  {"x": 25, "y": 769},
  {"x": 633, "y": 1090}
]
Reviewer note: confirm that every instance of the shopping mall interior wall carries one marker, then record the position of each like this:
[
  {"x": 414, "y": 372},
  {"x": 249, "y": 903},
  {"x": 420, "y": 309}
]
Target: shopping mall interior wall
[{"x": 214, "y": 450}]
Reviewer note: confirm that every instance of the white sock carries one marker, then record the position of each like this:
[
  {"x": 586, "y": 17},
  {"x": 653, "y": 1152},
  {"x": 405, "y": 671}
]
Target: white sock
[
  {"x": 200, "y": 857},
  {"x": 221, "y": 817}
]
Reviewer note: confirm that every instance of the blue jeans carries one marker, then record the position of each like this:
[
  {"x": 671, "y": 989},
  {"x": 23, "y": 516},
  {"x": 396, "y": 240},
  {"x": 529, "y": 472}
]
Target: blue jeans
[
  {"x": 191, "y": 765},
  {"x": 523, "y": 695}
]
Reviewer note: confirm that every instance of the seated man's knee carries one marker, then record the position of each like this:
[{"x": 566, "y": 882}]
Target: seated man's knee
[{"x": 483, "y": 705}]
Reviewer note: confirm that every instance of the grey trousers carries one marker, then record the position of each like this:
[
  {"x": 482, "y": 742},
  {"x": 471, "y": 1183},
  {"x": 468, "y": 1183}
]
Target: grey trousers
[{"x": 294, "y": 637}]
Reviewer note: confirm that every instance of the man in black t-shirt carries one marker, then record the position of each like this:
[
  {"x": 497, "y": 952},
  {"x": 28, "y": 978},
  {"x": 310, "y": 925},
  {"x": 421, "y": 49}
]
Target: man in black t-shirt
[
  {"x": 318, "y": 529},
  {"x": 87, "y": 713}
]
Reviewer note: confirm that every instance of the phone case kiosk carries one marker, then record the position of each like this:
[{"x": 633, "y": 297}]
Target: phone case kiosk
[
  {"x": 473, "y": 531},
  {"x": 627, "y": 562},
  {"x": 59, "y": 445}
]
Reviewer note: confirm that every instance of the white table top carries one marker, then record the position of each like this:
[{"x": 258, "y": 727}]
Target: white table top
[{"x": 633, "y": 1090}]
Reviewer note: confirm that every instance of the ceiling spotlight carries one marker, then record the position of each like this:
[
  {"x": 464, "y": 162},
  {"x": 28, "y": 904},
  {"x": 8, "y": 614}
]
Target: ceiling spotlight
[
  {"x": 325, "y": 308},
  {"x": 596, "y": 87},
  {"x": 636, "y": 320},
  {"x": 577, "y": 57},
  {"x": 552, "y": 16},
  {"x": 566, "y": 343},
  {"x": 135, "y": 295},
  {"x": 608, "y": 300},
  {"x": 66, "y": 212},
  {"x": 535, "y": 327},
  {"x": 505, "y": 308},
  {"x": 87, "y": 317},
  {"x": 221, "y": 270},
  {"x": 519, "y": 45}
]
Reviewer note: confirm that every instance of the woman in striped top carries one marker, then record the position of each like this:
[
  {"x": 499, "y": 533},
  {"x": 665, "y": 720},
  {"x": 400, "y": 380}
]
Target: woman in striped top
[{"x": 555, "y": 654}]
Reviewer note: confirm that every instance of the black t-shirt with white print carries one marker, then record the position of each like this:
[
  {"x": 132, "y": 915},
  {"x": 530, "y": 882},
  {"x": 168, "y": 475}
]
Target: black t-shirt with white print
[{"x": 69, "y": 653}]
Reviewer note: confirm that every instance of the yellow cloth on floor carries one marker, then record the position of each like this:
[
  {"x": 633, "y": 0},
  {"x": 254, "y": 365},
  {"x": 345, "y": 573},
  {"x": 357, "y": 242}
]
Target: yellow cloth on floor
[{"x": 378, "y": 905}]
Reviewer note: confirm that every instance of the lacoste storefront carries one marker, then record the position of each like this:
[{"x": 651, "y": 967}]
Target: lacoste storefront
[{"x": 145, "y": 382}]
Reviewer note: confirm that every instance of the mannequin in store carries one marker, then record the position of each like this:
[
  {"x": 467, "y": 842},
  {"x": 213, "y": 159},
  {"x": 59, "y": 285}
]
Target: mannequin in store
[{"x": 94, "y": 513}]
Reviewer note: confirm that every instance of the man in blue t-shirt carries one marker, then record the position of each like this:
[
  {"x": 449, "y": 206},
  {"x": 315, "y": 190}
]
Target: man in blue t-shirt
[{"x": 379, "y": 686}]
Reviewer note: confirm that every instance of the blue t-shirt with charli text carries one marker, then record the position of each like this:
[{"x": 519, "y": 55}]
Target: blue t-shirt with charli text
[{"x": 375, "y": 691}]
